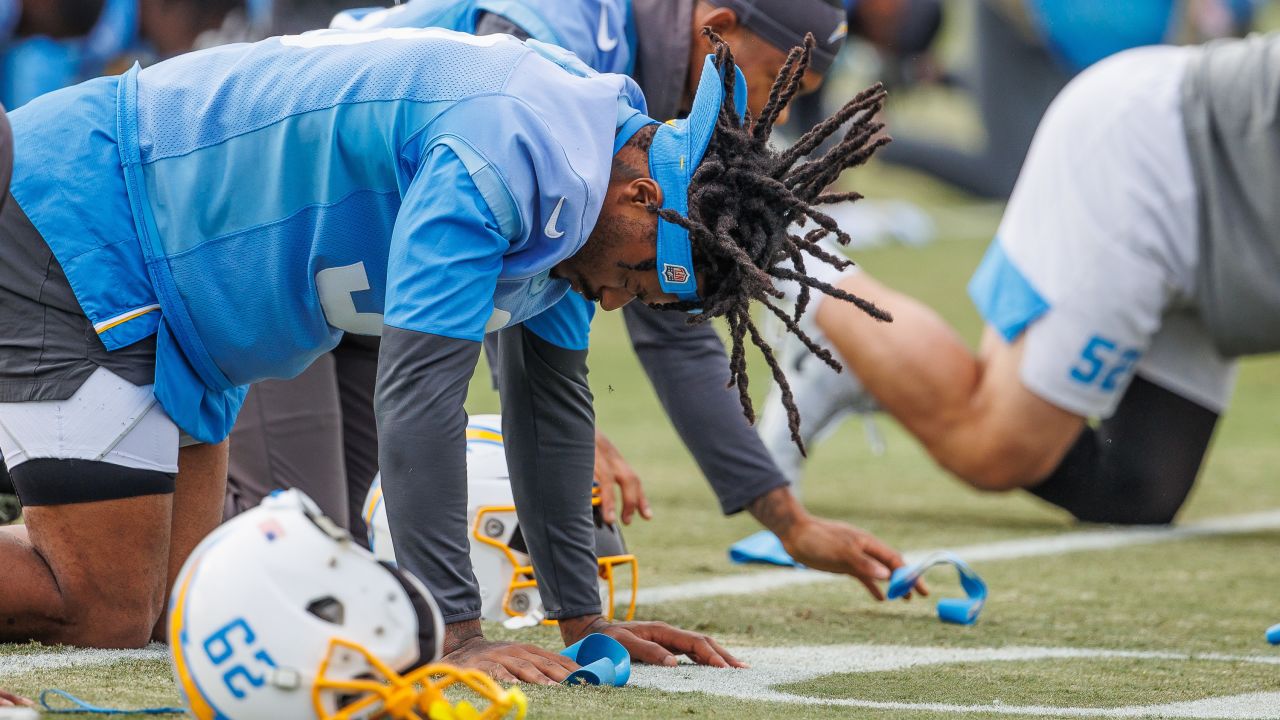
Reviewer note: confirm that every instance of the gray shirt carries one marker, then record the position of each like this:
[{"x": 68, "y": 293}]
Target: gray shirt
[{"x": 1231, "y": 108}]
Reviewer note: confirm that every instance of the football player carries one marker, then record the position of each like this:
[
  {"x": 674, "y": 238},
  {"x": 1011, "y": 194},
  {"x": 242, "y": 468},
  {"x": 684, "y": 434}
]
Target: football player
[
  {"x": 7, "y": 699},
  {"x": 315, "y": 431},
  {"x": 185, "y": 230},
  {"x": 1135, "y": 262}
]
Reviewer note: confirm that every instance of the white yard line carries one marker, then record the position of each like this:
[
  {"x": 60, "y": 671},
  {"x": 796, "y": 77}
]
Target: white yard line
[
  {"x": 782, "y": 665},
  {"x": 774, "y": 667},
  {"x": 1070, "y": 542},
  {"x": 11, "y": 665}
]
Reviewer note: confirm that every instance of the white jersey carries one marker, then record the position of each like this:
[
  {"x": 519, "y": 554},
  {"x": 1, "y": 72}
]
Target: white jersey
[{"x": 1095, "y": 259}]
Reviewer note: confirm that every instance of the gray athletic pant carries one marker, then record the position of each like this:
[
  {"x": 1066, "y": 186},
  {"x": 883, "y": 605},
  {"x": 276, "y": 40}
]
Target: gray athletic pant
[{"x": 315, "y": 432}]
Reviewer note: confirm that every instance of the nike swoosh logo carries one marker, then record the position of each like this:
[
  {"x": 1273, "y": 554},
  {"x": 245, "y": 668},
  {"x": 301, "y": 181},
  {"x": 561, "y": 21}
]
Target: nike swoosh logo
[
  {"x": 551, "y": 230},
  {"x": 603, "y": 41}
]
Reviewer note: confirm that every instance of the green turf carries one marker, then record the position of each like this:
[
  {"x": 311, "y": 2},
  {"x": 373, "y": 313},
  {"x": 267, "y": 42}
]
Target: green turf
[
  {"x": 1091, "y": 683},
  {"x": 1199, "y": 596}
]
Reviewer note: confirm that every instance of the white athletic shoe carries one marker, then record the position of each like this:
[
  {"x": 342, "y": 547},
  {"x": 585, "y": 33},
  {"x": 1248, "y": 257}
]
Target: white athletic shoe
[{"x": 823, "y": 397}]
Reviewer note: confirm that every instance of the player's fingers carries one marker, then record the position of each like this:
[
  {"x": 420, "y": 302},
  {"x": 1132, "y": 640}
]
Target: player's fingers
[
  {"x": 707, "y": 652},
  {"x": 872, "y": 588},
  {"x": 496, "y": 671},
  {"x": 526, "y": 669},
  {"x": 550, "y": 664},
  {"x": 632, "y": 495},
  {"x": 891, "y": 558},
  {"x": 700, "y": 648},
  {"x": 554, "y": 658},
  {"x": 729, "y": 658},
  {"x": 868, "y": 567},
  {"x": 647, "y": 651},
  {"x": 922, "y": 588},
  {"x": 9, "y": 700}
]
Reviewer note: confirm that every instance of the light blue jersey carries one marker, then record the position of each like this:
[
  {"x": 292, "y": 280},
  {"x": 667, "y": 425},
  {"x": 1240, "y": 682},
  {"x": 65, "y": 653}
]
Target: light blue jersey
[
  {"x": 600, "y": 32},
  {"x": 251, "y": 203}
]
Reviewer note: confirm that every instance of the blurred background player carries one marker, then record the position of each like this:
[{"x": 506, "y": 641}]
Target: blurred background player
[
  {"x": 1135, "y": 261},
  {"x": 316, "y": 432},
  {"x": 1023, "y": 53},
  {"x": 55, "y": 44}
]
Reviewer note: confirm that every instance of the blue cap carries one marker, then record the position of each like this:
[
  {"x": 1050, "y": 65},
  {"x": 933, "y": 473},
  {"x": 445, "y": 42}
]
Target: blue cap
[
  {"x": 960, "y": 611},
  {"x": 676, "y": 152}
]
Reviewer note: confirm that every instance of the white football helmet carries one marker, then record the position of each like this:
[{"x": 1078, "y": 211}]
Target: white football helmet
[
  {"x": 278, "y": 614},
  {"x": 499, "y": 557}
]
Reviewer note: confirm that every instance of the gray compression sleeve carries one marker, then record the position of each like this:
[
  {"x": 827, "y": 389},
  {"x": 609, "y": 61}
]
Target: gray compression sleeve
[
  {"x": 548, "y": 429},
  {"x": 421, "y": 388},
  {"x": 690, "y": 372}
]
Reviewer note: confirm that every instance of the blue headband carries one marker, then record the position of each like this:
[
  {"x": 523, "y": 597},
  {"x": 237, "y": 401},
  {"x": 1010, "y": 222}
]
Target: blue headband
[{"x": 676, "y": 152}]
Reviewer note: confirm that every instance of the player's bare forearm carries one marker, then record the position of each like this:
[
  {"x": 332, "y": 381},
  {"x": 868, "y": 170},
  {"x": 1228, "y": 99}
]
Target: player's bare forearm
[
  {"x": 777, "y": 510},
  {"x": 574, "y": 629},
  {"x": 458, "y": 633}
]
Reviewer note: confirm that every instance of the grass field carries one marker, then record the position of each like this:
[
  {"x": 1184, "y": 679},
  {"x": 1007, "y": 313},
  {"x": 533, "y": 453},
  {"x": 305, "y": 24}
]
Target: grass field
[
  {"x": 1141, "y": 625},
  {"x": 1186, "y": 616}
]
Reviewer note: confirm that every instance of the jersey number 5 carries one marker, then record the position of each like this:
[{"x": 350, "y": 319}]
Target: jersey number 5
[{"x": 335, "y": 286}]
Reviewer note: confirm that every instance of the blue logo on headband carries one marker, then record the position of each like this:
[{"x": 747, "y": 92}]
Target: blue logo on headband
[{"x": 676, "y": 152}]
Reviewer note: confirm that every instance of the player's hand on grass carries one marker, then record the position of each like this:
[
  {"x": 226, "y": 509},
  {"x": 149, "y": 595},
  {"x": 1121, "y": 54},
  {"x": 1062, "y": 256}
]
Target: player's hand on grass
[
  {"x": 465, "y": 646},
  {"x": 826, "y": 544},
  {"x": 653, "y": 643},
  {"x": 613, "y": 471},
  {"x": 839, "y": 548},
  {"x": 8, "y": 699}
]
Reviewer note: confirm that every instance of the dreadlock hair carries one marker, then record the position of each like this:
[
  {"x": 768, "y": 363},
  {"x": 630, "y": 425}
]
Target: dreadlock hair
[{"x": 743, "y": 201}]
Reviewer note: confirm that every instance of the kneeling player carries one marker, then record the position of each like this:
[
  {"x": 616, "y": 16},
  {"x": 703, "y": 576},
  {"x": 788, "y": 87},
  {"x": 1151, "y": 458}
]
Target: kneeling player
[
  {"x": 1136, "y": 259},
  {"x": 158, "y": 269}
]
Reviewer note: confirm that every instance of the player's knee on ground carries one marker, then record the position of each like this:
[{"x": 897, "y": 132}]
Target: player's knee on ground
[
  {"x": 999, "y": 460},
  {"x": 1137, "y": 467},
  {"x": 104, "y": 537}
]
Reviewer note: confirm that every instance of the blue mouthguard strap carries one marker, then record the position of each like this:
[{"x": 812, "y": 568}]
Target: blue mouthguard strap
[
  {"x": 953, "y": 610},
  {"x": 80, "y": 707},
  {"x": 604, "y": 661}
]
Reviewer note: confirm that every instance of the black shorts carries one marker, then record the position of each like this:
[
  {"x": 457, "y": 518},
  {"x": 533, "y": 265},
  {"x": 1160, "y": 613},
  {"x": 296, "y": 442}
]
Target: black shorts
[{"x": 48, "y": 348}]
